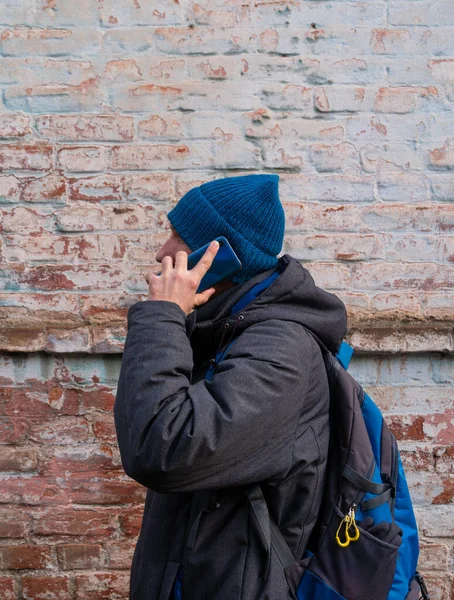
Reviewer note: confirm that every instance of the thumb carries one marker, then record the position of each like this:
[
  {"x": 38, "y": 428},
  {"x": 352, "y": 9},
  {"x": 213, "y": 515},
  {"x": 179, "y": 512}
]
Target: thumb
[{"x": 204, "y": 296}]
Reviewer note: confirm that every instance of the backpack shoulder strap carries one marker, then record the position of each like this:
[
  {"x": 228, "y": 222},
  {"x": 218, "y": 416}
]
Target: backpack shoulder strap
[{"x": 270, "y": 532}]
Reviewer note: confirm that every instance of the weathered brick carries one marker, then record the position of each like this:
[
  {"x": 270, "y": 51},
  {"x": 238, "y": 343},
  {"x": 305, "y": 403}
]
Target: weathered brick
[
  {"x": 12, "y": 126},
  {"x": 44, "y": 401},
  {"x": 439, "y": 586},
  {"x": 95, "y": 189},
  {"x": 120, "y": 553},
  {"x": 8, "y": 588},
  {"x": 423, "y": 13},
  {"x": 335, "y": 157},
  {"x": 105, "y": 488},
  {"x": 90, "y": 458},
  {"x": 124, "y": 14},
  {"x": 404, "y": 99},
  {"x": 25, "y": 220},
  {"x": 32, "y": 157},
  {"x": 45, "y": 587},
  {"x": 217, "y": 153},
  {"x": 352, "y": 107},
  {"x": 444, "y": 459},
  {"x": 92, "y": 128},
  {"x": 55, "y": 97},
  {"x": 48, "y": 13},
  {"x": 102, "y": 585},
  {"x": 36, "y": 490},
  {"x": 60, "y": 430},
  {"x": 50, "y": 42},
  {"x": 62, "y": 277},
  {"x": 17, "y": 459},
  {"x": 83, "y": 158},
  {"x": 79, "y": 556},
  {"x": 433, "y": 557},
  {"x": 131, "y": 520},
  {"x": 443, "y": 156},
  {"x": 49, "y": 188},
  {"x": 24, "y": 557},
  {"x": 157, "y": 186},
  {"x": 92, "y": 523},
  {"x": 13, "y": 523},
  {"x": 10, "y": 188}
]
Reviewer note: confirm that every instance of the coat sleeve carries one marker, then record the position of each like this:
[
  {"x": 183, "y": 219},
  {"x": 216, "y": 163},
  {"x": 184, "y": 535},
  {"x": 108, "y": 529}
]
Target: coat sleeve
[{"x": 237, "y": 429}]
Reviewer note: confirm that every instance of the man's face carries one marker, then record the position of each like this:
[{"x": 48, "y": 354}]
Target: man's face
[{"x": 172, "y": 246}]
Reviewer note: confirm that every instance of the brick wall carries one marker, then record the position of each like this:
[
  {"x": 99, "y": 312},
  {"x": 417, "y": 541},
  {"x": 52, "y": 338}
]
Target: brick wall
[{"x": 110, "y": 111}]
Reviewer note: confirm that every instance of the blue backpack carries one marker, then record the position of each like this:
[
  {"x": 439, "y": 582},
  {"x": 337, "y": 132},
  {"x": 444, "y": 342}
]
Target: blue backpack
[{"x": 364, "y": 545}]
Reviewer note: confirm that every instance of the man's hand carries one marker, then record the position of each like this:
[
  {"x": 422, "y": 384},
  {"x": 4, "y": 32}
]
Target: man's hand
[{"x": 177, "y": 284}]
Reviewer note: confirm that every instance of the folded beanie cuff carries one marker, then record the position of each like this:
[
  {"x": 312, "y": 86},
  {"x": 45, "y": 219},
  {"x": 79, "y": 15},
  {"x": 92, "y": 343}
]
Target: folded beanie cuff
[{"x": 198, "y": 223}]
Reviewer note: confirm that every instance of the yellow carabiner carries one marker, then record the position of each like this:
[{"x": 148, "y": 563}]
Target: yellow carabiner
[
  {"x": 350, "y": 522},
  {"x": 345, "y": 520}
]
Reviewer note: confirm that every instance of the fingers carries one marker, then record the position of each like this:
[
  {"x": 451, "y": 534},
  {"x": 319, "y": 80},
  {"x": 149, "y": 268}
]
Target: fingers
[
  {"x": 167, "y": 264},
  {"x": 206, "y": 261},
  {"x": 203, "y": 297},
  {"x": 181, "y": 260}
]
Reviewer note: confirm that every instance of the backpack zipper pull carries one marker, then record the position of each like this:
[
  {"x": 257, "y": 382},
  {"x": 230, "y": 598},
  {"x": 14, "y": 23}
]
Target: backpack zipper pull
[{"x": 350, "y": 524}]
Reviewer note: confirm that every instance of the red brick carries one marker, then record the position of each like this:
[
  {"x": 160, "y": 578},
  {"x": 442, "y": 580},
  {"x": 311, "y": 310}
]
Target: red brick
[
  {"x": 70, "y": 521},
  {"x": 44, "y": 400},
  {"x": 101, "y": 398},
  {"x": 91, "y": 458},
  {"x": 25, "y": 556},
  {"x": 36, "y": 490},
  {"x": 17, "y": 459},
  {"x": 444, "y": 460},
  {"x": 69, "y": 277},
  {"x": 407, "y": 427},
  {"x": 46, "y": 587},
  {"x": 419, "y": 459},
  {"x": 7, "y": 588},
  {"x": 104, "y": 427},
  {"x": 108, "y": 488},
  {"x": 440, "y": 427},
  {"x": 131, "y": 520},
  {"x": 447, "y": 495},
  {"x": 79, "y": 556},
  {"x": 13, "y": 523},
  {"x": 13, "y": 429},
  {"x": 120, "y": 553},
  {"x": 60, "y": 430},
  {"x": 99, "y": 586}
]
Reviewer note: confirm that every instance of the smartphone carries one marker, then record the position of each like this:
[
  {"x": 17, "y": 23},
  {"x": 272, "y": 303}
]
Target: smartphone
[{"x": 225, "y": 264}]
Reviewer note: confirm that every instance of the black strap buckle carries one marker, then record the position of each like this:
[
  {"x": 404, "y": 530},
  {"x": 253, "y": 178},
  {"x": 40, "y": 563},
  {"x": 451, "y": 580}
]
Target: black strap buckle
[{"x": 422, "y": 584}]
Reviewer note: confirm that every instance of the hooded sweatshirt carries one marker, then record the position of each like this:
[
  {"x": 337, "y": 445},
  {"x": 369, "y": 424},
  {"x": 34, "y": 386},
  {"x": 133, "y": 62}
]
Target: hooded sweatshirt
[{"x": 199, "y": 445}]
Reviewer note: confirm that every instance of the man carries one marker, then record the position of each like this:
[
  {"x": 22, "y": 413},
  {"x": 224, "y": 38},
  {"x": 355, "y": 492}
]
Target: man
[{"x": 199, "y": 444}]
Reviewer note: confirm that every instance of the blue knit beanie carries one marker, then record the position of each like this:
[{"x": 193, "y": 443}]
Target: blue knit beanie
[{"x": 246, "y": 210}]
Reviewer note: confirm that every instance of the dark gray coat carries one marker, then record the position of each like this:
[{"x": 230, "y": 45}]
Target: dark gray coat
[{"x": 197, "y": 444}]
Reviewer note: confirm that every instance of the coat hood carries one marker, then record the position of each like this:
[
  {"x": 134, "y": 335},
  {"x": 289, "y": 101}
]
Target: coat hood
[{"x": 293, "y": 296}]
